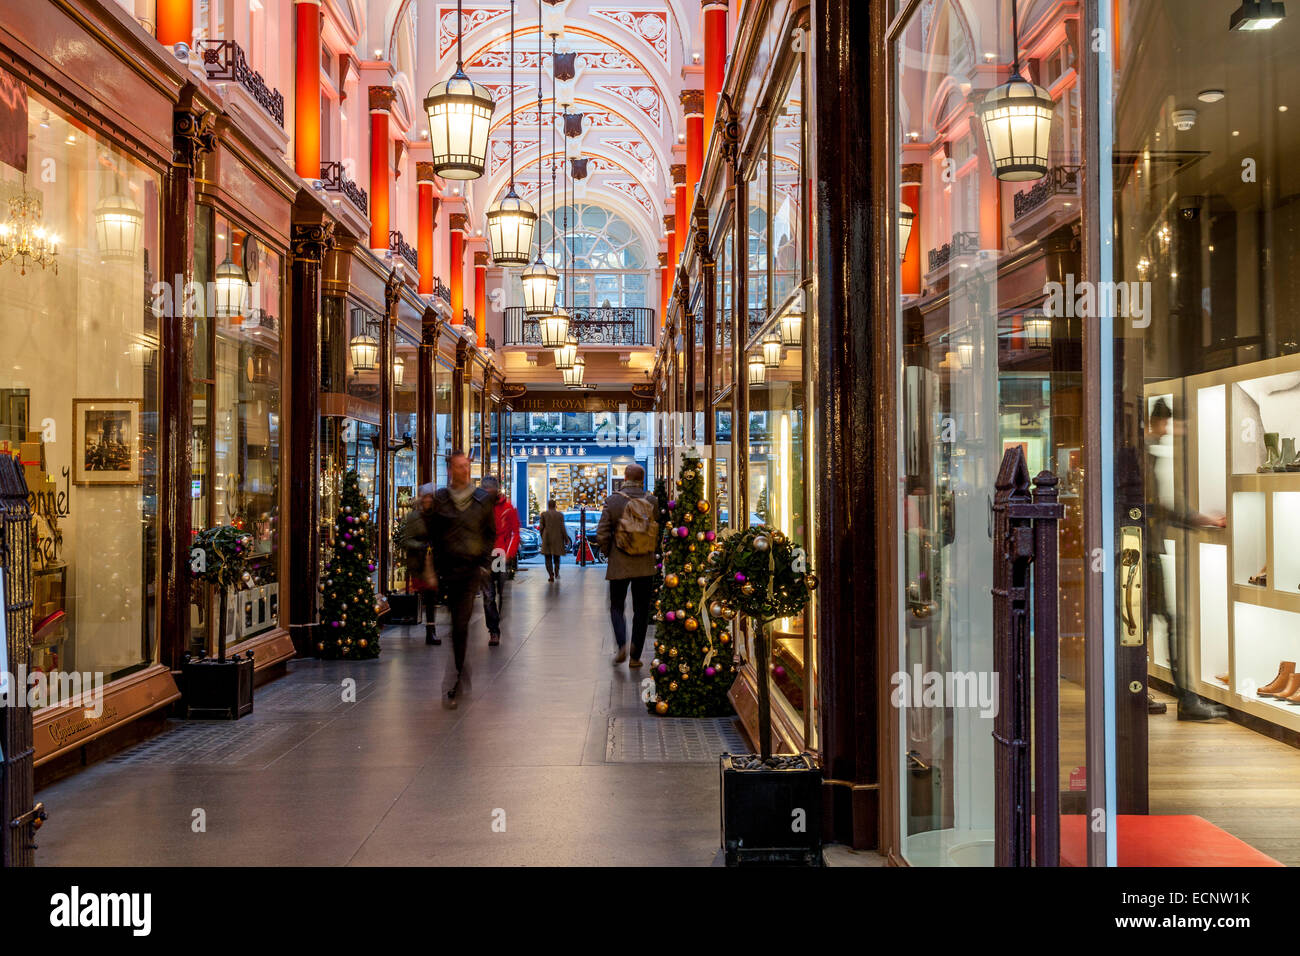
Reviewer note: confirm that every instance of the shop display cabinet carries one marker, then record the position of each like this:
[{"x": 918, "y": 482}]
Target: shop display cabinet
[{"x": 1239, "y": 599}]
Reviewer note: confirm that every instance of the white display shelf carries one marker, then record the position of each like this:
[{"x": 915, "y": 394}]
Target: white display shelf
[{"x": 1234, "y": 627}]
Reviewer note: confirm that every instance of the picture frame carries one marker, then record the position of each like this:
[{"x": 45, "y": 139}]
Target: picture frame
[{"x": 106, "y": 441}]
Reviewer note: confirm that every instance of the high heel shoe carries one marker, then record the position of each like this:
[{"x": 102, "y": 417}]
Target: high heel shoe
[
  {"x": 1284, "y": 672},
  {"x": 1274, "y": 455}
]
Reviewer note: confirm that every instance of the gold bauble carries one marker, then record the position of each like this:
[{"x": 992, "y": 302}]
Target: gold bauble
[
  {"x": 689, "y": 475},
  {"x": 691, "y": 624},
  {"x": 320, "y": 646},
  {"x": 672, "y": 652},
  {"x": 811, "y": 581},
  {"x": 671, "y": 580},
  {"x": 661, "y": 707},
  {"x": 691, "y": 548},
  {"x": 725, "y": 638},
  {"x": 747, "y": 589},
  {"x": 703, "y": 506},
  {"x": 362, "y": 642},
  {"x": 716, "y": 609},
  {"x": 672, "y": 685},
  {"x": 702, "y": 581},
  {"x": 687, "y": 518}
]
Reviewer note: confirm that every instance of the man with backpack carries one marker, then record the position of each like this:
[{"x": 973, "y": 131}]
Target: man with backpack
[{"x": 628, "y": 533}]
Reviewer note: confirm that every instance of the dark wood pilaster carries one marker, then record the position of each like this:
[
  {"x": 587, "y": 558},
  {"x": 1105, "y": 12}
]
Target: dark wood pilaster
[
  {"x": 855, "y": 514},
  {"x": 192, "y": 136},
  {"x": 424, "y": 424},
  {"x": 709, "y": 301},
  {"x": 458, "y": 436},
  {"x": 310, "y": 242},
  {"x": 384, "y": 463}
]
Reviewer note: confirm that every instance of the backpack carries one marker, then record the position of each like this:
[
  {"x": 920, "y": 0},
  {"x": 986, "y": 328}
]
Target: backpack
[{"x": 638, "y": 527}]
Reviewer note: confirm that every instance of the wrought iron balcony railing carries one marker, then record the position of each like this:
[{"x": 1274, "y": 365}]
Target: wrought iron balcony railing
[
  {"x": 963, "y": 244},
  {"x": 401, "y": 247},
  {"x": 225, "y": 60},
  {"x": 601, "y": 326},
  {"x": 441, "y": 290},
  {"x": 334, "y": 179},
  {"x": 1059, "y": 179}
]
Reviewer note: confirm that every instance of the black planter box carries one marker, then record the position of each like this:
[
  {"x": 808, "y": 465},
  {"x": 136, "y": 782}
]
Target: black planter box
[
  {"x": 760, "y": 825},
  {"x": 403, "y": 608},
  {"x": 218, "y": 690}
]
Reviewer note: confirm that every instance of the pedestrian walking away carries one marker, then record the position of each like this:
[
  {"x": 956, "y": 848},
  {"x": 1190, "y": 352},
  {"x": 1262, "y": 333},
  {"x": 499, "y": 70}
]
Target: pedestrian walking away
[
  {"x": 415, "y": 538},
  {"x": 555, "y": 539},
  {"x": 627, "y": 533},
  {"x": 464, "y": 534},
  {"x": 506, "y": 547}
]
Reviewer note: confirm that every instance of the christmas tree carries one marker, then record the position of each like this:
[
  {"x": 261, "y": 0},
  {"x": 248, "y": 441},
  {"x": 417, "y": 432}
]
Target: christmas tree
[
  {"x": 694, "y": 664},
  {"x": 350, "y": 628}
]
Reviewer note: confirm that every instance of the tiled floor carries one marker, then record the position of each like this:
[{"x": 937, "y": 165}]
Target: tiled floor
[{"x": 518, "y": 775}]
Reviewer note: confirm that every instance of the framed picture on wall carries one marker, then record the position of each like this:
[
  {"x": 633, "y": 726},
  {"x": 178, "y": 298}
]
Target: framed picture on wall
[{"x": 106, "y": 441}]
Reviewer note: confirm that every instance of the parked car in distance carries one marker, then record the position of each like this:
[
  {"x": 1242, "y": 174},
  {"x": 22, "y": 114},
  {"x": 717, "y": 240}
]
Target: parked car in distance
[{"x": 530, "y": 542}]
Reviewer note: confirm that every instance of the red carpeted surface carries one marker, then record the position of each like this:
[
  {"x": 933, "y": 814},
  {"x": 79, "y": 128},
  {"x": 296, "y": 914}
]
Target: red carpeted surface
[{"x": 1163, "y": 841}]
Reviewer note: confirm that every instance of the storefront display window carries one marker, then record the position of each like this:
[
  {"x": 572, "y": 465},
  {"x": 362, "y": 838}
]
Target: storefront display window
[
  {"x": 79, "y": 389},
  {"x": 405, "y": 382},
  {"x": 442, "y": 374}
]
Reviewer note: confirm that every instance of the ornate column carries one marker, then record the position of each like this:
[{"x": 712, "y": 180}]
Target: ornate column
[
  {"x": 306, "y": 90},
  {"x": 192, "y": 138},
  {"x": 458, "y": 436},
  {"x": 693, "y": 107},
  {"x": 910, "y": 193},
  {"x": 459, "y": 223},
  {"x": 311, "y": 241},
  {"x": 679, "y": 212},
  {"x": 176, "y": 25},
  {"x": 381, "y": 102},
  {"x": 426, "y": 438},
  {"x": 709, "y": 299},
  {"x": 715, "y": 53},
  {"x": 387, "y": 349},
  {"x": 670, "y": 270},
  {"x": 428, "y": 215},
  {"x": 480, "y": 297},
  {"x": 664, "y": 289}
]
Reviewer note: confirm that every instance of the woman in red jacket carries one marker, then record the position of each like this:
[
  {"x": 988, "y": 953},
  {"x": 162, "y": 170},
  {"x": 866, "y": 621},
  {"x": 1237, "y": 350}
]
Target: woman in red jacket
[{"x": 507, "y": 546}]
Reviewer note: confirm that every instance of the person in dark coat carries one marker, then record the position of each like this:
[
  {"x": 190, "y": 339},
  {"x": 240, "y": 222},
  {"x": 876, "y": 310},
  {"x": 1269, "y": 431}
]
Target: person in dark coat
[
  {"x": 555, "y": 539},
  {"x": 415, "y": 538},
  {"x": 464, "y": 534},
  {"x": 624, "y": 571}
]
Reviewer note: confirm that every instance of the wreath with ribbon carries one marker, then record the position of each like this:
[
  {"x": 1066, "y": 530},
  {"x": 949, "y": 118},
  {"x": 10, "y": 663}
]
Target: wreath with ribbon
[{"x": 763, "y": 575}]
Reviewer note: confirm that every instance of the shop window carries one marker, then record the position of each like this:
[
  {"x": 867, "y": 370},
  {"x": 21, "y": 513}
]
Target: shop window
[
  {"x": 405, "y": 422},
  {"x": 756, "y": 270},
  {"x": 787, "y": 212},
  {"x": 79, "y": 385}
]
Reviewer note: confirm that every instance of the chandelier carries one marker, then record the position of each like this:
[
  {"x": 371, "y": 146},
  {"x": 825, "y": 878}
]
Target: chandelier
[
  {"x": 23, "y": 235},
  {"x": 540, "y": 280},
  {"x": 460, "y": 112}
]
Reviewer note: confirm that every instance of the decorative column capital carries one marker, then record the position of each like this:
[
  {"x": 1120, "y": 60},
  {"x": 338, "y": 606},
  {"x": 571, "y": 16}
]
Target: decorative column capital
[
  {"x": 193, "y": 135},
  {"x": 480, "y": 259},
  {"x": 458, "y": 221},
  {"x": 708, "y": 5},
  {"x": 424, "y": 173},
  {"x": 663, "y": 260},
  {"x": 729, "y": 127},
  {"x": 679, "y": 173},
  {"x": 911, "y": 174},
  {"x": 310, "y": 241},
  {"x": 381, "y": 98},
  {"x": 392, "y": 292},
  {"x": 693, "y": 102},
  {"x": 670, "y": 223}
]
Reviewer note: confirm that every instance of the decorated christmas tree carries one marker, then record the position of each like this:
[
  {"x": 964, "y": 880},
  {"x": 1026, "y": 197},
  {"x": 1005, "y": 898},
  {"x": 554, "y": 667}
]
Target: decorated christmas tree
[
  {"x": 349, "y": 626},
  {"x": 694, "y": 664}
]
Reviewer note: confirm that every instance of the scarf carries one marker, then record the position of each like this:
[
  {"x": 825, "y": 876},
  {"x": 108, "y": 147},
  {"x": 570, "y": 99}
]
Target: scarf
[{"x": 461, "y": 497}]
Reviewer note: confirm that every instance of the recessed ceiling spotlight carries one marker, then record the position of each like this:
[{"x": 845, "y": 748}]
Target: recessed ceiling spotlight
[
  {"x": 681, "y": 137},
  {"x": 990, "y": 57},
  {"x": 1210, "y": 96},
  {"x": 1257, "y": 15}
]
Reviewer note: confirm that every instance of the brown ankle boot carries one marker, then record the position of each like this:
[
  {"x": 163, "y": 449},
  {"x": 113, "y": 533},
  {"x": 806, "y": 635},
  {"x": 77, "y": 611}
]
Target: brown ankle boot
[
  {"x": 1284, "y": 672},
  {"x": 1291, "y": 689}
]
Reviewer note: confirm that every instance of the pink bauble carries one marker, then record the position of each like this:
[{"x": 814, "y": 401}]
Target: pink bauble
[
  {"x": 709, "y": 672},
  {"x": 740, "y": 577},
  {"x": 778, "y": 670},
  {"x": 671, "y": 616},
  {"x": 709, "y": 536},
  {"x": 663, "y": 668},
  {"x": 683, "y": 532}
]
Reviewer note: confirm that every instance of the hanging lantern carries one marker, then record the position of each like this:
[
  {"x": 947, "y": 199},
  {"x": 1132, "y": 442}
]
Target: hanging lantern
[
  {"x": 399, "y": 370},
  {"x": 772, "y": 350},
  {"x": 757, "y": 369},
  {"x": 573, "y": 375},
  {"x": 118, "y": 226},
  {"x": 540, "y": 282},
  {"x": 1038, "y": 330},
  {"x": 1017, "y": 121},
  {"x": 365, "y": 352},
  {"x": 567, "y": 353},
  {"x": 230, "y": 289},
  {"x": 460, "y": 113},
  {"x": 966, "y": 353},
  {"x": 906, "y": 217},
  {"x": 511, "y": 222},
  {"x": 554, "y": 328},
  {"x": 792, "y": 328}
]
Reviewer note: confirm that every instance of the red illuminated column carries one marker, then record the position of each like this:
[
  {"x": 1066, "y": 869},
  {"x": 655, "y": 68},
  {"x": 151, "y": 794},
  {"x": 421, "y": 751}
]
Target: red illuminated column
[
  {"x": 428, "y": 211},
  {"x": 693, "y": 107},
  {"x": 664, "y": 291},
  {"x": 306, "y": 90},
  {"x": 910, "y": 193},
  {"x": 175, "y": 22},
  {"x": 990, "y": 190},
  {"x": 381, "y": 101},
  {"x": 459, "y": 223},
  {"x": 715, "y": 53},
  {"x": 480, "y": 297},
  {"x": 679, "y": 210}
]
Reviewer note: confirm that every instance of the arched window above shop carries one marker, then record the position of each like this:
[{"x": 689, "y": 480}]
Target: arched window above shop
[{"x": 599, "y": 239}]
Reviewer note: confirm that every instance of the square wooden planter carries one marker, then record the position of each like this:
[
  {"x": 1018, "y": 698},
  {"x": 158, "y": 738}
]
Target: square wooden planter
[{"x": 771, "y": 815}]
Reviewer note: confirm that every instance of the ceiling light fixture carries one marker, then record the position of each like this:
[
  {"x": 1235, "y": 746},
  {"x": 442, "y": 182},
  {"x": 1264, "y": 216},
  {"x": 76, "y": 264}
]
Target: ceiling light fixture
[
  {"x": 460, "y": 113},
  {"x": 540, "y": 280},
  {"x": 1257, "y": 15},
  {"x": 1017, "y": 121},
  {"x": 511, "y": 219},
  {"x": 1210, "y": 96}
]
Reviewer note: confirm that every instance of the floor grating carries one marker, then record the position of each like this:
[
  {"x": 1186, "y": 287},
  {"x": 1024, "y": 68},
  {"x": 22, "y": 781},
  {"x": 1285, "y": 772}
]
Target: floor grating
[
  {"x": 297, "y": 697},
  {"x": 212, "y": 743},
  {"x": 672, "y": 740}
]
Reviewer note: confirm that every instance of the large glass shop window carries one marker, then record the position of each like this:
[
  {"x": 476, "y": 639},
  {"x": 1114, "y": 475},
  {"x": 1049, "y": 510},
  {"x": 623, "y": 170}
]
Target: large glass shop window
[
  {"x": 1206, "y": 343},
  {"x": 79, "y": 253},
  {"x": 405, "y": 381},
  {"x": 442, "y": 374},
  {"x": 984, "y": 370},
  {"x": 238, "y": 405}
]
